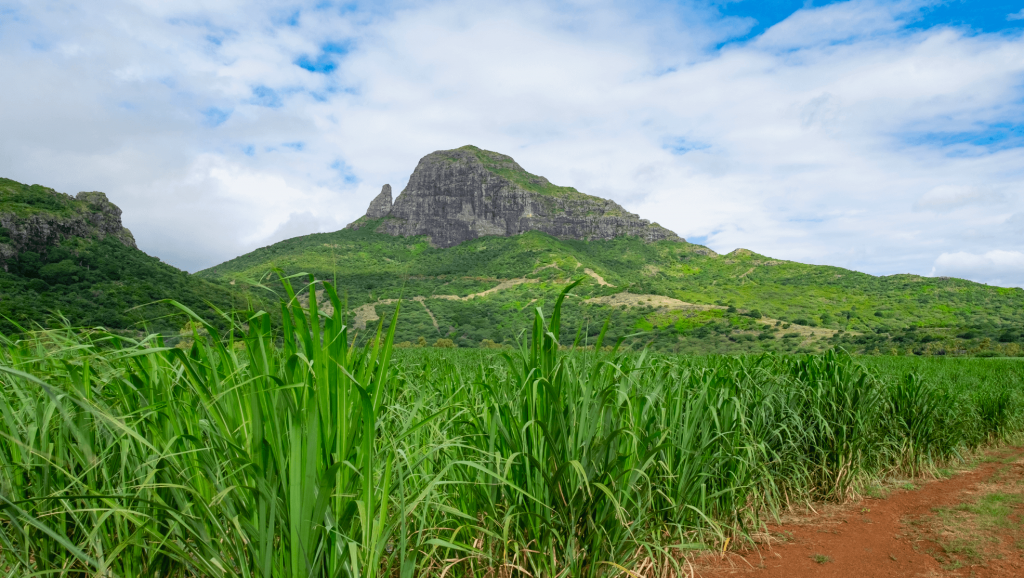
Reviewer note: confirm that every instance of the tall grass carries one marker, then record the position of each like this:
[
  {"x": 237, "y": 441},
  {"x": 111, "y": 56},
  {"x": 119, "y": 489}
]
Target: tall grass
[{"x": 289, "y": 452}]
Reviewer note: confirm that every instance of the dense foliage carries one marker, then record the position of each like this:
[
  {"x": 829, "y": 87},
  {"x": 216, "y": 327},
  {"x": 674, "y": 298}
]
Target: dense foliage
[
  {"x": 101, "y": 282},
  {"x": 49, "y": 277},
  {"x": 290, "y": 452},
  {"x": 758, "y": 304},
  {"x": 24, "y": 200}
]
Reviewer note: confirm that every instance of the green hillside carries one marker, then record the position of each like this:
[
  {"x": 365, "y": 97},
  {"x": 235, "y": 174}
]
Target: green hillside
[
  {"x": 89, "y": 278},
  {"x": 670, "y": 296}
]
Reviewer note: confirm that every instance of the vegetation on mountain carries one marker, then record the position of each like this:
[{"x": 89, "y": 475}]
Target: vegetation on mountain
[
  {"x": 69, "y": 260},
  {"x": 739, "y": 303}
]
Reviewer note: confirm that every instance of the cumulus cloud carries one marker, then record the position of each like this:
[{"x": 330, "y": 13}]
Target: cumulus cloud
[
  {"x": 994, "y": 267},
  {"x": 838, "y": 136}
]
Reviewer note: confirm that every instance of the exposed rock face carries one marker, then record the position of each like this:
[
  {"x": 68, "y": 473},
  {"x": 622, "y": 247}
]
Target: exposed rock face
[
  {"x": 457, "y": 195},
  {"x": 380, "y": 206},
  {"x": 34, "y": 218}
]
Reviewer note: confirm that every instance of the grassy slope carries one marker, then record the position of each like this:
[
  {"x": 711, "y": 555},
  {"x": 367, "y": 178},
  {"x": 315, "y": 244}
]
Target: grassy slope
[
  {"x": 95, "y": 282},
  {"x": 902, "y": 311},
  {"x": 26, "y": 200}
]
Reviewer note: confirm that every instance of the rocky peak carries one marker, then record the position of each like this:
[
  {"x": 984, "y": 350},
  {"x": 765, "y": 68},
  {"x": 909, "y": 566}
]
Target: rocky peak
[
  {"x": 33, "y": 218},
  {"x": 457, "y": 195},
  {"x": 380, "y": 206}
]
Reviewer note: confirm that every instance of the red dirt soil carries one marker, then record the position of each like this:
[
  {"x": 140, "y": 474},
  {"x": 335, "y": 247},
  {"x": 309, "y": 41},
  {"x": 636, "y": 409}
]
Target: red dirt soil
[{"x": 873, "y": 537}]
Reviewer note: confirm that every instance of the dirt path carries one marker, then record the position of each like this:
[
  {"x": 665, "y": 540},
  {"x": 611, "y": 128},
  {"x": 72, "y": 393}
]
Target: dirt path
[
  {"x": 423, "y": 302},
  {"x": 499, "y": 287},
  {"x": 945, "y": 528}
]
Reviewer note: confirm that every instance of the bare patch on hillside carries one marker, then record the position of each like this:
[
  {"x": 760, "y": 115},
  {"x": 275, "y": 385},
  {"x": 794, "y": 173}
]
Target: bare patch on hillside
[
  {"x": 499, "y": 287},
  {"x": 367, "y": 313},
  {"x": 548, "y": 266},
  {"x": 656, "y": 301},
  {"x": 600, "y": 280}
]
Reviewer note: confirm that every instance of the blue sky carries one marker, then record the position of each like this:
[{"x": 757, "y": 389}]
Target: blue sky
[
  {"x": 886, "y": 137},
  {"x": 979, "y": 16}
]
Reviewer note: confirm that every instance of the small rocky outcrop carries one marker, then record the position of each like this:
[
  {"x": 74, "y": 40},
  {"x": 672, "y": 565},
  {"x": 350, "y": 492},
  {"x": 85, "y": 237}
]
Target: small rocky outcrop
[
  {"x": 380, "y": 206},
  {"x": 35, "y": 218},
  {"x": 457, "y": 195}
]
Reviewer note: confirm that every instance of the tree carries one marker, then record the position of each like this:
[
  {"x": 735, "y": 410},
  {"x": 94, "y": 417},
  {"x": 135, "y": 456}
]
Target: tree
[{"x": 62, "y": 273}]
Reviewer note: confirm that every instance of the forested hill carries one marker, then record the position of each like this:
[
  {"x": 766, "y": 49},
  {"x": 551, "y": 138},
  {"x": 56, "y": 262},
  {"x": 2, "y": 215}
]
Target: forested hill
[
  {"x": 71, "y": 255},
  {"x": 670, "y": 295}
]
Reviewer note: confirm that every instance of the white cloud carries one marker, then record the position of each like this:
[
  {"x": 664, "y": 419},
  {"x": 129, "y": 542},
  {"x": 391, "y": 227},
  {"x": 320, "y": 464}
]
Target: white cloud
[
  {"x": 946, "y": 198},
  {"x": 1016, "y": 15},
  {"x": 838, "y": 136},
  {"x": 995, "y": 267},
  {"x": 839, "y": 22}
]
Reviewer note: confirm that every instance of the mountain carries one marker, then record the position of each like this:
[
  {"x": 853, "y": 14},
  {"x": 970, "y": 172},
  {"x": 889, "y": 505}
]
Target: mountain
[
  {"x": 457, "y": 195},
  {"x": 475, "y": 241},
  {"x": 72, "y": 255}
]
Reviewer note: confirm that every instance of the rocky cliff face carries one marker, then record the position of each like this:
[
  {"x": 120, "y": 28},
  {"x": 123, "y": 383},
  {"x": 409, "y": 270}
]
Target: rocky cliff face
[
  {"x": 380, "y": 206},
  {"x": 35, "y": 218},
  {"x": 457, "y": 195}
]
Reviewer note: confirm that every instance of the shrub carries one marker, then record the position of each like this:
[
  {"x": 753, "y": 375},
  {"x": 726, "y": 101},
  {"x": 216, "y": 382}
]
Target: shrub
[{"x": 62, "y": 273}]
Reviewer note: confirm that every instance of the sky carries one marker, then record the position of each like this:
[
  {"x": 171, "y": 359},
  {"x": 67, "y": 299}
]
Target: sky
[{"x": 885, "y": 137}]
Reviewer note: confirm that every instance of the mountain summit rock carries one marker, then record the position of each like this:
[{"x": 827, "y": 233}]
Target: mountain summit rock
[{"x": 461, "y": 194}]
